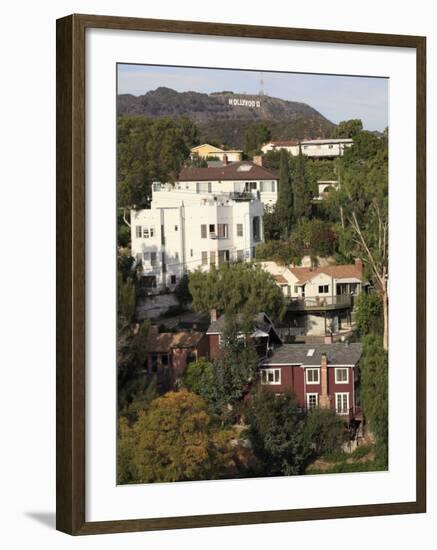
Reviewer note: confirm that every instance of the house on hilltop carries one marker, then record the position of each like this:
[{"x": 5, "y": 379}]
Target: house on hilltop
[
  {"x": 264, "y": 334},
  {"x": 207, "y": 151},
  {"x": 321, "y": 299},
  {"x": 169, "y": 353}
]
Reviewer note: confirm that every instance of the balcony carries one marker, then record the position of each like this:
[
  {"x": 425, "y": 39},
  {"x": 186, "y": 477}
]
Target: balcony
[{"x": 320, "y": 303}]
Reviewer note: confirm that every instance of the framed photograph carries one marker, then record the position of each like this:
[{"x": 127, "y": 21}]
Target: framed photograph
[{"x": 240, "y": 274}]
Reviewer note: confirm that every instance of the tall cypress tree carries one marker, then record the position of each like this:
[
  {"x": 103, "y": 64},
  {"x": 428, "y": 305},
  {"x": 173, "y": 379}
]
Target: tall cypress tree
[
  {"x": 285, "y": 195},
  {"x": 301, "y": 191}
]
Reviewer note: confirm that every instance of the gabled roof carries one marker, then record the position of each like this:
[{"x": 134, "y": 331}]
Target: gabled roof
[
  {"x": 165, "y": 341},
  {"x": 212, "y": 147},
  {"x": 261, "y": 322},
  {"x": 350, "y": 271},
  {"x": 241, "y": 170},
  {"x": 297, "y": 354}
]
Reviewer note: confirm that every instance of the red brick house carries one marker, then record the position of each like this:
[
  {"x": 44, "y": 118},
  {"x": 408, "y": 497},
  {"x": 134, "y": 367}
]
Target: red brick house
[
  {"x": 324, "y": 375},
  {"x": 173, "y": 351}
]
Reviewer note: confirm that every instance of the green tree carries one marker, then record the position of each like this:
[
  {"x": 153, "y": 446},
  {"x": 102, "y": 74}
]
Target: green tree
[
  {"x": 236, "y": 287},
  {"x": 149, "y": 150},
  {"x": 271, "y": 223},
  {"x": 275, "y": 430},
  {"x": 362, "y": 200},
  {"x": 369, "y": 314},
  {"x": 198, "y": 376},
  {"x": 323, "y": 432},
  {"x": 374, "y": 392},
  {"x": 315, "y": 237},
  {"x": 302, "y": 192},
  {"x": 257, "y": 134},
  {"x": 284, "y": 205},
  {"x": 348, "y": 128},
  {"x": 126, "y": 299},
  {"x": 182, "y": 291},
  {"x": 176, "y": 440},
  {"x": 282, "y": 252}
]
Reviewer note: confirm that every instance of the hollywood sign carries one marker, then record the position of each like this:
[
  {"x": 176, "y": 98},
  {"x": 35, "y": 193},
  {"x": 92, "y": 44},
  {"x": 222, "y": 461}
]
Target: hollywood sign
[{"x": 240, "y": 102}]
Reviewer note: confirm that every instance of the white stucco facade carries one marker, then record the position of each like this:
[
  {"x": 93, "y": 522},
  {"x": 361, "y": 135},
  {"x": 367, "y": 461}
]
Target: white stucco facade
[
  {"x": 183, "y": 231},
  {"x": 188, "y": 192},
  {"x": 316, "y": 148}
]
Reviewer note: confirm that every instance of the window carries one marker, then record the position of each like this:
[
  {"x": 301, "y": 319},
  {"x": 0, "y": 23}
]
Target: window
[
  {"x": 152, "y": 232},
  {"x": 240, "y": 255},
  {"x": 212, "y": 257},
  {"x": 256, "y": 228},
  {"x": 313, "y": 376},
  {"x": 270, "y": 376},
  {"x": 312, "y": 400},
  {"x": 273, "y": 187},
  {"x": 165, "y": 360},
  {"x": 310, "y": 352},
  {"x": 176, "y": 228},
  {"x": 250, "y": 186},
  {"x": 176, "y": 255},
  {"x": 323, "y": 289},
  {"x": 239, "y": 229},
  {"x": 146, "y": 256},
  {"x": 330, "y": 146},
  {"x": 212, "y": 228},
  {"x": 172, "y": 279},
  {"x": 153, "y": 260},
  {"x": 139, "y": 257},
  {"x": 342, "y": 403},
  {"x": 296, "y": 289},
  {"x": 341, "y": 376},
  {"x": 205, "y": 257},
  {"x": 203, "y": 231},
  {"x": 222, "y": 230},
  {"x": 138, "y": 232}
]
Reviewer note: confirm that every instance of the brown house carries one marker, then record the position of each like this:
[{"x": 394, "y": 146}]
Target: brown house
[
  {"x": 324, "y": 375},
  {"x": 171, "y": 352}
]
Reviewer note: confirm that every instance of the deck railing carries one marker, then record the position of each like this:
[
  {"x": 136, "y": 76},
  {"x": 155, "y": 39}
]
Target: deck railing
[{"x": 321, "y": 302}]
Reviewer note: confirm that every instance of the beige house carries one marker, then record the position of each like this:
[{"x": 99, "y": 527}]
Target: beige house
[
  {"x": 206, "y": 150},
  {"x": 321, "y": 299}
]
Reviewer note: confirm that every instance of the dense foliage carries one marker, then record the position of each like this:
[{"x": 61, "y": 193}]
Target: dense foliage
[
  {"x": 236, "y": 287},
  {"x": 175, "y": 440}
]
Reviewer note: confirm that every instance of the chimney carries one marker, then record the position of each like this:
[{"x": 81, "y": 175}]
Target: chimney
[
  {"x": 258, "y": 160},
  {"x": 324, "y": 401},
  {"x": 359, "y": 265},
  {"x": 225, "y": 159},
  {"x": 213, "y": 315}
]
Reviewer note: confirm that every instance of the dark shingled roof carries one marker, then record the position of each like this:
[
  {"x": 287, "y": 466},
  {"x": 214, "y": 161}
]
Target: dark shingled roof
[
  {"x": 165, "y": 341},
  {"x": 297, "y": 354},
  {"x": 230, "y": 172},
  {"x": 260, "y": 320}
]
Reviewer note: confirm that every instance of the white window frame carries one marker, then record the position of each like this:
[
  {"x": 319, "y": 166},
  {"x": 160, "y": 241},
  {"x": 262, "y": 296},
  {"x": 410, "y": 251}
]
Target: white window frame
[
  {"x": 146, "y": 233},
  {"x": 340, "y": 410},
  {"x": 138, "y": 232},
  {"x": 347, "y": 375},
  {"x": 309, "y": 395},
  {"x": 323, "y": 286},
  {"x": 264, "y": 374},
  {"x": 239, "y": 233},
  {"x": 312, "y": 369}
]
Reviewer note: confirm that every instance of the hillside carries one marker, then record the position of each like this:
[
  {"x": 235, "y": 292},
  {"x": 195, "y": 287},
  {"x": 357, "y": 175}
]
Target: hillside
[{"x": 223, "y": 117}]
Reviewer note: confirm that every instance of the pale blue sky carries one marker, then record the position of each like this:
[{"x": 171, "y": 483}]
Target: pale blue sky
[{"x": 335, "y": 97}]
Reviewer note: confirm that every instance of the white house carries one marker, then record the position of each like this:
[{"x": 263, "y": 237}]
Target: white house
[
  {"x": 235, "y": 180},
  {"x": 325, "y": 187},
  {"x": 183, "y": 231},
  {"x": 322, "y": 298},
  {"x": 314, "y": 148}
]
